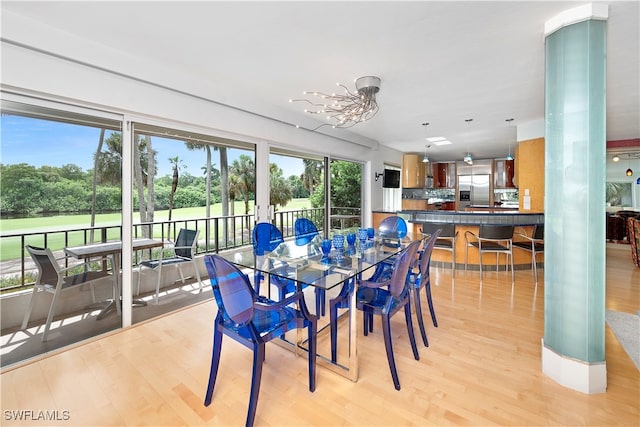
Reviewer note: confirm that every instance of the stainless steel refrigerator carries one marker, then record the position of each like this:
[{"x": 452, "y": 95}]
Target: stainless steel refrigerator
[{"x": 473, "y": 190}]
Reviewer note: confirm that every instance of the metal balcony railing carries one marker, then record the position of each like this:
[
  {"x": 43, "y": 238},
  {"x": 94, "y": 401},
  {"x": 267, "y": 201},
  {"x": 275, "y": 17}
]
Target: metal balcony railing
[{"x": 216, "y": 234}]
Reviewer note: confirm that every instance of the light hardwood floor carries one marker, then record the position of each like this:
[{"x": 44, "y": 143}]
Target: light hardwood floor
[{"x": 483, "y": 367}]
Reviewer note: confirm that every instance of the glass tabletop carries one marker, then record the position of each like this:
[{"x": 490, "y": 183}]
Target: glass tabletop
[{"x": 309, "y": 266}]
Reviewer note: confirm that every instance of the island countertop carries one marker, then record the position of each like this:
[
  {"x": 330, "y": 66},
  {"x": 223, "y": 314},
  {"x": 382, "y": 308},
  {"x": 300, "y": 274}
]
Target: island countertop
[{"x": 473, "y": 218}]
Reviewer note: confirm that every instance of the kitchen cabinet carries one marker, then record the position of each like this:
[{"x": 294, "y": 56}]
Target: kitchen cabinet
[
  {"x": 444, "y": 175},
  {"x": 503, "y": 173},
  {"x": 413, "y": 171},
  {"x": 414, "y": 204}
]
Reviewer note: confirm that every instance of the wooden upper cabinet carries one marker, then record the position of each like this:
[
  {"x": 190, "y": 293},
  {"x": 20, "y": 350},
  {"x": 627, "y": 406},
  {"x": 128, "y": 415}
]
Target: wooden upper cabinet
[
  {"x": 413, "y": 171},
  {"x": 503, "y": 173},
  {"x": 444, "y": 175}
]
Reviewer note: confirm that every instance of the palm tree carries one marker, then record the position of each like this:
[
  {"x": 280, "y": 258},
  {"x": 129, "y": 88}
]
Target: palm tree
[
  {"x": 244, "y": 169},
  {"x": 224, "y": 181},
  {"x": 109, "y": 170},
  {"x": 176, "y": 164},
  {"x": 96, "y": 161},
  {"x": 280, "y": 191},
  {"x": 312, "y": 174}
]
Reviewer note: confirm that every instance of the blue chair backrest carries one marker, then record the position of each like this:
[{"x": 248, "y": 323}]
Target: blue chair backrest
[
  {"x": 266, "y": 237},
  {"x": 401, "y": 268},
  {"x": 393, "y": 227},
  {"x": 231, "y": 289},
  {"x": 425, "y": 257},
  {"x": 305, "y": 231}
]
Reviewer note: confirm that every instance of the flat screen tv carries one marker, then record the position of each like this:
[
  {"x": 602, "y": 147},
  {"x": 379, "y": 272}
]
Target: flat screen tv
[{"x": 391, "y": 178}]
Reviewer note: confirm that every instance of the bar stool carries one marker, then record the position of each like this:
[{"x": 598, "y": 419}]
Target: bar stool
[
  {"x": 491, "y": 238},
  {"x": 446, "y": 241},
  {"x": 533, "y": 244}
]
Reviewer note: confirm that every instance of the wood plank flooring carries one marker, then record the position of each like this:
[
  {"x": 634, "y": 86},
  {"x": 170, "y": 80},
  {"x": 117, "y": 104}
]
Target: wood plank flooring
[{"x": 483, "y": 367}]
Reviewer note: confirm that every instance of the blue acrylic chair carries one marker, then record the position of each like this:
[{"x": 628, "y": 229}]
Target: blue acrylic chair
[
  {"x": 392, "y": 230},
  {"x": 253, "y": 321},
  {"x": 266, "y": 237},
  {"x": 340, "y": 301},
  {"x": 386, "y": 298},
  {"x": 305, "y": 232},
  {"x": 421, "y": 279}
]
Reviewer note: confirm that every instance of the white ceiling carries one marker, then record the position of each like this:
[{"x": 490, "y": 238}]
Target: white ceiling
[{"x": 440, "y": 62}]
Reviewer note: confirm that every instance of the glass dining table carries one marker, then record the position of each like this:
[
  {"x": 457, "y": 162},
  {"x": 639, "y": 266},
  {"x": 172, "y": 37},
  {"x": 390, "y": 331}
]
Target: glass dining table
[{"x": 336, "y": 275}]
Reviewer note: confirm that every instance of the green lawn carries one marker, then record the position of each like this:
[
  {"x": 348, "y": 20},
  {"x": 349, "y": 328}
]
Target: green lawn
[{"x": 10, "y": 248}]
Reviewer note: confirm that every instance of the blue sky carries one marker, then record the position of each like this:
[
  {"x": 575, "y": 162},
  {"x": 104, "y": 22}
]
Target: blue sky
[{"x": 43, "y": 142}]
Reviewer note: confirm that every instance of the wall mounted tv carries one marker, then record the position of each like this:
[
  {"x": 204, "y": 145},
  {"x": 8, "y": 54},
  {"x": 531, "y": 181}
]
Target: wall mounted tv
[{"x": 391, "y": 178}]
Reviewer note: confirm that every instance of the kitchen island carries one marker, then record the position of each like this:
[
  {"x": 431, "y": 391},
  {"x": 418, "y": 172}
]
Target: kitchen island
[{"x": 470, "y": 221}]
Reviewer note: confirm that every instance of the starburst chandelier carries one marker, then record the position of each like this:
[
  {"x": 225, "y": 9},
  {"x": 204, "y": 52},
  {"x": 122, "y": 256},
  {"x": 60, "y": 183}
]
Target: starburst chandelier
[{"x": 349, "y": 109}]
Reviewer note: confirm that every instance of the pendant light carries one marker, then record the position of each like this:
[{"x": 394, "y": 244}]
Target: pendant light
[
  {"x": 425, "y": 159},
  {"x": 629, "y": 171},
  {"x": 468, "y": 159},
  {"x": 509, "y": 156}
]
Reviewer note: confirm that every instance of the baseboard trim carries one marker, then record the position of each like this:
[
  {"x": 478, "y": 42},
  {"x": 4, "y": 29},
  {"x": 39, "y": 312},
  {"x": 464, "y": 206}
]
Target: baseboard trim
[{"x": 588, "y": 378}]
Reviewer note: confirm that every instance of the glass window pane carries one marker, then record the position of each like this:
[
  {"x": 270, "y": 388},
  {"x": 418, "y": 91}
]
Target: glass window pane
[{"x": 52, "y": 199}]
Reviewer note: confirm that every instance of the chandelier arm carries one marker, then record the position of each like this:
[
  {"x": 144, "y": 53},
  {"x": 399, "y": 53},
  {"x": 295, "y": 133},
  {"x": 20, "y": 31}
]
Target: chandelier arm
[
  {"x": 349, "y": 93},
  {"x": 309, "y": 102}
]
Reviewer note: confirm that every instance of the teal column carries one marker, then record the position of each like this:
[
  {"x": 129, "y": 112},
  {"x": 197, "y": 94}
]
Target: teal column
[{"x": 575, "y": 173}]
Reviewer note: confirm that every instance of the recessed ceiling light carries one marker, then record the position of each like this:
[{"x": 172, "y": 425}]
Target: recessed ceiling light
[
  {"x": 436, "y": 139},
  {"x": 443, "y": 142}
]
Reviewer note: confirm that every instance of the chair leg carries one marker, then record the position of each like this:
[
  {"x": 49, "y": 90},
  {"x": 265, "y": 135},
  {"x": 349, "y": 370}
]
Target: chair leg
[
  {"x": 180, "y": 273},
  {"x": 535, "y": 265},
  {"x": 453, "y": 262},
  {"x": 158, "y": 283},
  {"x": 365, "y": 322},
  {"x": 430, "y": 301},
  {"x": 333, "y": 325},
  {"x": 312, "y": 355},
  {"x": 160, "y": 275},
  {"x": 258, "y": 359},
  {"x": 512, "y": 272},
  {"x": 320, "y": 302},
  {"x": 215, "y": 362},
  {"x": 466, "y": 257},
  {"x": 197, "y": 272},
  {"x": 51, "y": 311},
  {"x": 423, "y": 332},
  {"x": 27, "y": 314},
  {"x": 412, "y": 338},
  {"x": 386, "y": 331},
  {"x": 257, "y": 278}
]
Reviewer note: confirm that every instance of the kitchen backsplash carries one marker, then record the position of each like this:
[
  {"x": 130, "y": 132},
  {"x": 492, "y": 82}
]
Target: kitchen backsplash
[
  {"x": 506, "y": 195},
  {"x": 445, "y": 194}
]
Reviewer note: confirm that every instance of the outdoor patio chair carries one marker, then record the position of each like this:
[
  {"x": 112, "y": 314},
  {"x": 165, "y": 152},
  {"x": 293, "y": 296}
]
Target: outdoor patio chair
[
  {"x": 53, "y": 279},
  {"x": 184, "y": 250}
]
